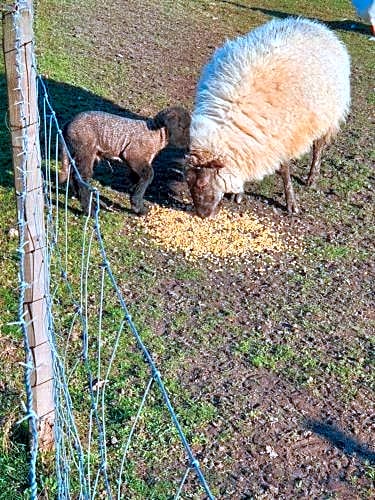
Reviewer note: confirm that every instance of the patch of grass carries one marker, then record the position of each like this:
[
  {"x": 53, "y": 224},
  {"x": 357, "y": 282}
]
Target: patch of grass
[
  {"x": 188, "y": 273},
  {"x": 302, "y": 367},
  {"x": 370, "y": 472},
  {"x": 325, "y": 252},
  {"x": 328, "y": 251},
  {"x": 324, "y": 297},
  {"x": 179, "y": 321},
  {"x": 275, "y": 357},
  {"x": 351, "y": 177},
  {"x": 14, "y": 473}
]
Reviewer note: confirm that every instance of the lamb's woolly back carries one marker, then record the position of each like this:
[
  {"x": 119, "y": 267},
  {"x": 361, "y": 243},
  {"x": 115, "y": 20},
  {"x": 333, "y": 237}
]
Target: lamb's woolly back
[
  {"x": 113, "y": 131},
  {"x": 103, "y": 135},
  {"x": 264, "y": 97}
]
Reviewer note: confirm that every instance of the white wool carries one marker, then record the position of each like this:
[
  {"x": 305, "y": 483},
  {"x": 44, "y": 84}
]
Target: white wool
[{"x": 264, "y": 97}]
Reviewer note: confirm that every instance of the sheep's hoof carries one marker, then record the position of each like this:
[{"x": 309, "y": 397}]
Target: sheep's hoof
[
  {"x": 310, "y": 182},
  {"x": 293, "y": 208}
]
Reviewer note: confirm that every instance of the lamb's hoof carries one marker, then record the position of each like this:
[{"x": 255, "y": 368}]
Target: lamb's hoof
[
  {"x": 139, "y": 210},
  {"x": 89, "y": 210}
]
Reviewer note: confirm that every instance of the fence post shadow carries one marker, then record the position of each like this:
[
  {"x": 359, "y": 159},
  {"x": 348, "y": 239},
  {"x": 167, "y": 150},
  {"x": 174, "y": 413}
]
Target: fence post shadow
[
  {"x": 6, "y": 170},
  {"x": 340, "y": 439}
]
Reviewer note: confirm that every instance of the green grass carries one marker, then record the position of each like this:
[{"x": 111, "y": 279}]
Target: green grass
[
  {"x": 300, "y": 366},
  {"x": 328, "y": 341}
]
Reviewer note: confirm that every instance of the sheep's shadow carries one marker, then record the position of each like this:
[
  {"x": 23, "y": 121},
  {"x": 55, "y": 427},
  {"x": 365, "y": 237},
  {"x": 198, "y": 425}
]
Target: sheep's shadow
[
  {"x": 272, "y": 202},
  {"x": 342, "y": 25},
  {"x": 340, "y": 439},
  {"x": 68, "y": 100}
]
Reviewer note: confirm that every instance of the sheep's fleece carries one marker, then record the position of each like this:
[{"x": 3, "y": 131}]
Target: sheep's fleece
[{"x": 265, "y": 97}]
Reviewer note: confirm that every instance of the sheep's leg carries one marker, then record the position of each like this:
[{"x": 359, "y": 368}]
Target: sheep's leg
[
  {"x": 146, "y": 174},
  {"x": 318, "y": 148},
  {"x": 291, "y": 202},
  {"x": 236, "y": 198}
]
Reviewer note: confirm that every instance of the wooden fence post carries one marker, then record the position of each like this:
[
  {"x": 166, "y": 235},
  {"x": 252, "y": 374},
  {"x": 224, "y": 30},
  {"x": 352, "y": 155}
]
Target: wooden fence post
[{"x": 18, "y": 46}]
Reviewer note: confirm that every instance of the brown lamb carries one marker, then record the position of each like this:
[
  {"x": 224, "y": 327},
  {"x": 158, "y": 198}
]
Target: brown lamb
[{"x": 94, "y": 135}]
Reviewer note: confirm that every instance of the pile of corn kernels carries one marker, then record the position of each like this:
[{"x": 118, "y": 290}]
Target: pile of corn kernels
[{"x": 229, "y": 234}]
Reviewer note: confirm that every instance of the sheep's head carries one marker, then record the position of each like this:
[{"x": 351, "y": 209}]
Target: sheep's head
[
  {"x": 201, "y": 177},
  {"x": 177, "y": 121}
]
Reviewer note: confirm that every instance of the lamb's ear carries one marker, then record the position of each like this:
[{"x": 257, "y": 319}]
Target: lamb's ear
[
  {"x": 164, "y": 116},
  {"x": 159, "y": 120}
]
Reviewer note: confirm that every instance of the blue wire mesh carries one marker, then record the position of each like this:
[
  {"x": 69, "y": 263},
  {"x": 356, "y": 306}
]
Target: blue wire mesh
[
  {"x": 83, "y": 289},
  {"x": 81, "y": 293}
]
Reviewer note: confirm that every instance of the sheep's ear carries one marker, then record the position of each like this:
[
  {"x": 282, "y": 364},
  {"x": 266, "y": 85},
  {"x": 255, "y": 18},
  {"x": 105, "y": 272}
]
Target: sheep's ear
[{"x": 214, "y": 164}]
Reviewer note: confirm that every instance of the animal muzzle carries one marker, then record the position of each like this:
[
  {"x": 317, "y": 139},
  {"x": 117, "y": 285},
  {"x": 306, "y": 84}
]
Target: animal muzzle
[{"x": 207, "y": 210}]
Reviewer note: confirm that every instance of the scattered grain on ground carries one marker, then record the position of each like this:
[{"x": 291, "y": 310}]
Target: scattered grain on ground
[{"x": 229, "y": 234}]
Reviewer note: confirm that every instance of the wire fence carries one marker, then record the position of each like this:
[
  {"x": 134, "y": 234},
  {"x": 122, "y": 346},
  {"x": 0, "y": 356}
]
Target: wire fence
[
  {"x": 116, "y": 432},
  {"x": 90, "y": 325}
]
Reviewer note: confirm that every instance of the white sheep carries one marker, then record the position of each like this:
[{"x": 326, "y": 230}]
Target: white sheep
[{"x": 264, "y": 99}]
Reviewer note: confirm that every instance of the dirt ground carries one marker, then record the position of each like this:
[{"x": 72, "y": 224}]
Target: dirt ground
[{"x": 294, "y": 427}]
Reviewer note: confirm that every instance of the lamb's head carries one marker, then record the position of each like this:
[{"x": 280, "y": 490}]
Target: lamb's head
[
  {"x": 202, "y": 179},
  {"x": 176, "y": 119}
]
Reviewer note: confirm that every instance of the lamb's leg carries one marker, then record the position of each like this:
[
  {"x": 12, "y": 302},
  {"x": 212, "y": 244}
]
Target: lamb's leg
[
  {"x": 146, "y": 174},
  {"x": 84, "y": 197},
  {"x": 291, "y": 202},
  {"x": 318, "y": 148},
  {"x": 85, "y": 166}
]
